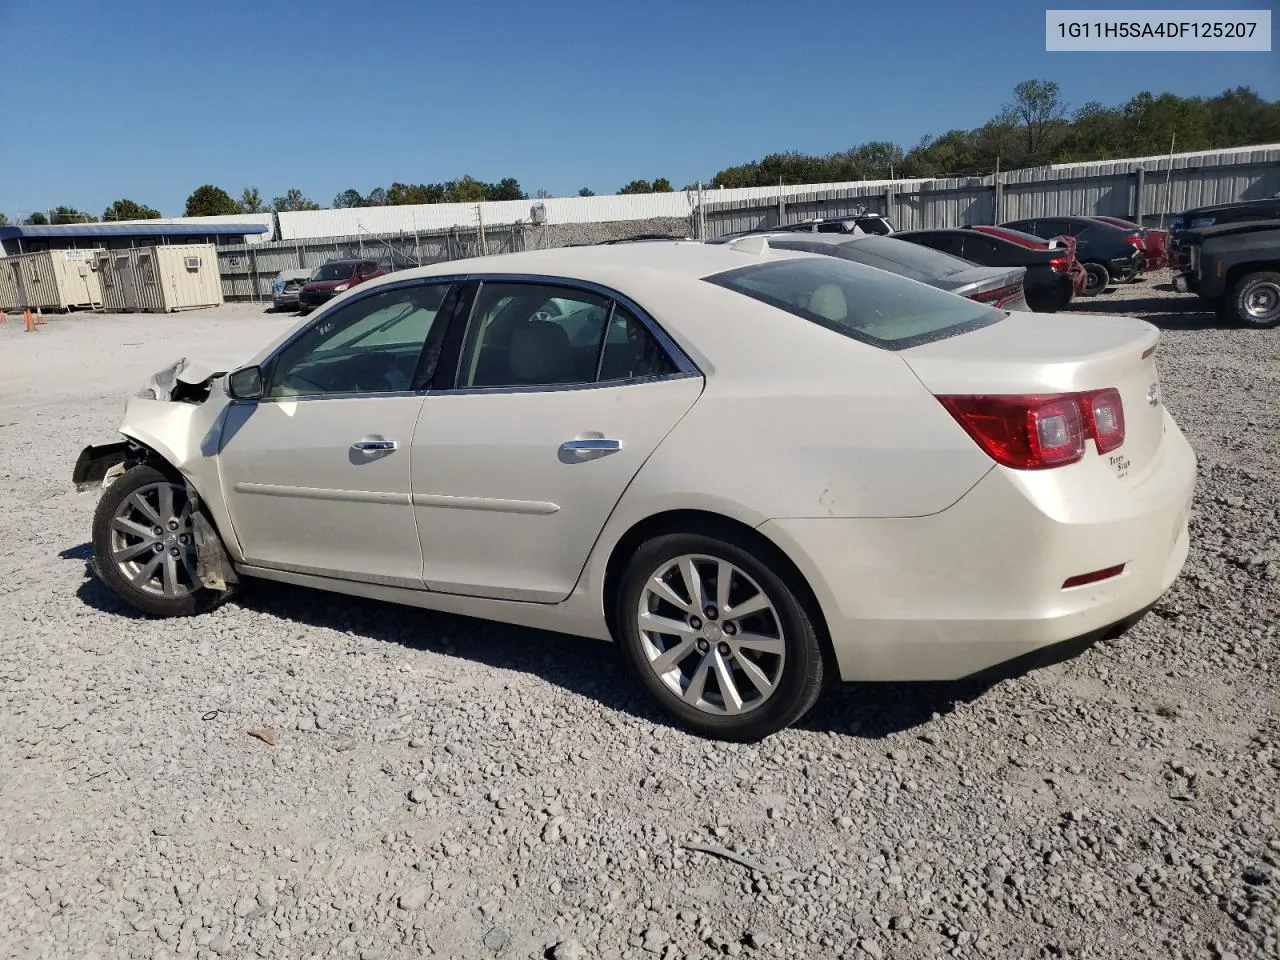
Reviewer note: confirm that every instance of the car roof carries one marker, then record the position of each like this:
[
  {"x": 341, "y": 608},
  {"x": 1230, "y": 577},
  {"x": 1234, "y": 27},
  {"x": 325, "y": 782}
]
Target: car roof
[
  {"x": 611, "y": 265},
  {"x": 1233, "y": 205}
]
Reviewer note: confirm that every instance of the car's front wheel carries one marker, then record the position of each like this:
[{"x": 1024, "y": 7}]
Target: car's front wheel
[
  {"x": 718, "y": 636},
  {"x": 144, "y": 544}
]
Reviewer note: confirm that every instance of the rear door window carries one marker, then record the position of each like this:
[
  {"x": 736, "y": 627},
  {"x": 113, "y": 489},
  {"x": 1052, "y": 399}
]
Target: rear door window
[{"x": 858, "y": 301}]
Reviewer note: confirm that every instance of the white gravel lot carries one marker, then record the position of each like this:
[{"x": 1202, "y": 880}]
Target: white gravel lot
[{"x": 451, "y": 788}]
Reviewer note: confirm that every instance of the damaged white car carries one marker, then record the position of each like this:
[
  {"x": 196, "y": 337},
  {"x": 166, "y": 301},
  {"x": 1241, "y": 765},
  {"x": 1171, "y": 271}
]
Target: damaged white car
[{"x": 757, "y": 470}]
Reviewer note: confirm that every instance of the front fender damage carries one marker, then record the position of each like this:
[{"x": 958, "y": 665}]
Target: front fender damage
[{"x": 173, "y": 424}]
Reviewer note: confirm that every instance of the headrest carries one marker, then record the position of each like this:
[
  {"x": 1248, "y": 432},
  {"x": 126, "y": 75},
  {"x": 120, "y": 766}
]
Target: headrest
[{"x": 541, "y": 353}]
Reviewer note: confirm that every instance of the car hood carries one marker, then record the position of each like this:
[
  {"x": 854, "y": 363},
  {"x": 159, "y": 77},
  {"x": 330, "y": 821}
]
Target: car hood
[{"x": 327, "y": 284}]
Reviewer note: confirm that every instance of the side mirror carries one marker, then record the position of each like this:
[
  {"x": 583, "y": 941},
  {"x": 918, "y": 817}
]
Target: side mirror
[{"x": 245, "y": 384}]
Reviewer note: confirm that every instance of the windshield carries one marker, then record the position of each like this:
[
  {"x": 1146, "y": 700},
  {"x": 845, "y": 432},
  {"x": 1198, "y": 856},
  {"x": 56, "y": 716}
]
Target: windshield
[
  {"x": 859, "y": 301},
  {"x": 334, "y": 271}
]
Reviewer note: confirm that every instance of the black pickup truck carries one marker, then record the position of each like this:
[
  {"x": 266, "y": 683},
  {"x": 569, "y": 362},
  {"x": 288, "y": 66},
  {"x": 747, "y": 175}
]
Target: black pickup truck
[{"x": 1235, "y": 267}]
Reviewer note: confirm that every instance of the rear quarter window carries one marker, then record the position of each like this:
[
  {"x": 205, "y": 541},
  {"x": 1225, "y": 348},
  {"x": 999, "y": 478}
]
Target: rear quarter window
[{"x": 860, "y": 302}]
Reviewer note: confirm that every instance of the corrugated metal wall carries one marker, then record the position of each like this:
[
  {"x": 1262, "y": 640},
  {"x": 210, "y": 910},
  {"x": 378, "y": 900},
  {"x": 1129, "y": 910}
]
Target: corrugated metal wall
[{"x": 1104, "y": 189}]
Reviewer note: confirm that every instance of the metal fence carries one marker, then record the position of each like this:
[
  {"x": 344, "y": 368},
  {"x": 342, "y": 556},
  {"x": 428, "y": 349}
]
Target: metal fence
[
  {"x": 1148, "y": 192},
  {"x": 248, "y": 269}
]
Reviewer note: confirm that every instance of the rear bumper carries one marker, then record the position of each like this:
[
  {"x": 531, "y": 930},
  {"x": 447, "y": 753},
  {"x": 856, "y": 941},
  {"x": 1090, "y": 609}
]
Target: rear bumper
[{"x": 979, "y": 585}]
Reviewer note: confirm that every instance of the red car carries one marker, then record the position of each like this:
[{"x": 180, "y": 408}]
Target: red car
[
  {"x": 333, "y": 278},
  {"x": 1154, "y": 243},
  {"x": 1068, "y": 265}
]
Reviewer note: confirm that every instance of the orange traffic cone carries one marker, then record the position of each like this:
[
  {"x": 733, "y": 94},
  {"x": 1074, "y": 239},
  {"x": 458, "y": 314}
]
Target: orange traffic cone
[{"x": 27, "y": 322}]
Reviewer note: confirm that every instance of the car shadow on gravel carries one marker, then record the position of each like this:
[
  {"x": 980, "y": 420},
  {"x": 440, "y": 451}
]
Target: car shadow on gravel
[
  {"x": 581, "y": 666},
  {"x": 1187, "y": 313}
]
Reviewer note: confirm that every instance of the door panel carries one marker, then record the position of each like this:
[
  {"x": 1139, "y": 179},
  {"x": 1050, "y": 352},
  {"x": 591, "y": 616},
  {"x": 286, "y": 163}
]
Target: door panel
[
  {"x": 302, "y": 497},
  {"x": 503, "y": 508}
]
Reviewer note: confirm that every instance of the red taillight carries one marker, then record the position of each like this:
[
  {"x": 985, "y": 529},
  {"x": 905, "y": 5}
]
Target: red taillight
[
  {"x": 1027, "y": 433},
  {"x": 1037, "y": 432},
  {"x": 1104, "y": 418},
  {"x": 1136, "y": 241},
  {"x": 1000, "y": 296},
  {"x": 1060, "y": 264}
]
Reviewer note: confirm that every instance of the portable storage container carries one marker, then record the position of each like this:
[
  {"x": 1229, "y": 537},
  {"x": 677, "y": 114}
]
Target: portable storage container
[
  {"x": 50, "y": 280},
  {"x": 160, "y": 279}
]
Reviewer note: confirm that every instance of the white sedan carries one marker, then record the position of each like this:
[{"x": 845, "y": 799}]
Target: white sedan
[{"x": 757, "y": 470}]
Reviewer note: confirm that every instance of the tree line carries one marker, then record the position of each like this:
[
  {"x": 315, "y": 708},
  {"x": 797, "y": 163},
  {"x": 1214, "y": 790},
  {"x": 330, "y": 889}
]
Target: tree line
[{"x": 1037, "y": 126}]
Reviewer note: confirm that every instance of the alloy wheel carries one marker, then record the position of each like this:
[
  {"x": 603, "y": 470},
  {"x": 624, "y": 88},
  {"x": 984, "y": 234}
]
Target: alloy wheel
[
  {"x": 152, "y": 541},
  {"x": 711, "y": 634}
]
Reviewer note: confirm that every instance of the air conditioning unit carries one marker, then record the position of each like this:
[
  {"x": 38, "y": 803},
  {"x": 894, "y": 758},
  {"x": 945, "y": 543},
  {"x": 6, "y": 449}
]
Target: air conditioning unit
[{"x": 192, "y": 263}]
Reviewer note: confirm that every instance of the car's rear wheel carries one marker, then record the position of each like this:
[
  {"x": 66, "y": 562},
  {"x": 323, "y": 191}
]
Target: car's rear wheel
[
  {"x": 1098, "y": 279},
  {"x": 1254, "y": 300},
  {"x": 144, "y": 544},
  {"x": 718, "y": 636}
]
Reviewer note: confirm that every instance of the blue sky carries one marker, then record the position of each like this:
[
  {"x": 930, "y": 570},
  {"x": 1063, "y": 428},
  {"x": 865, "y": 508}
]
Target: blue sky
[{"x": 149, "y": 100}]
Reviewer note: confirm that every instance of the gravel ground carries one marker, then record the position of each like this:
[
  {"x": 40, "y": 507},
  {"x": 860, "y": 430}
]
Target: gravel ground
[{"x": 450, "y": 788}]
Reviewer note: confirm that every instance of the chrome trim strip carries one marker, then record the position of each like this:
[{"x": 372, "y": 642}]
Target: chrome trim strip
[
  {"x": 317, "y": 493},
  {"x": 532, "y": 507}
]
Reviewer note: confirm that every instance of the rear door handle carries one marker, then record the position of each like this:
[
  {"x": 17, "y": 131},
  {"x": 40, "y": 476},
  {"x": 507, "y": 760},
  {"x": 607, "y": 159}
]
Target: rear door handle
[
  {"x": 372, "y": 446},
  {"x": 595, "y": 447}
]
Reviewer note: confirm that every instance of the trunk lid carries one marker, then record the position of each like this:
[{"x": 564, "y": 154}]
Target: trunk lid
[
  {"x": 1028, "y": 353},
  {"x": 997, "y": 286}
]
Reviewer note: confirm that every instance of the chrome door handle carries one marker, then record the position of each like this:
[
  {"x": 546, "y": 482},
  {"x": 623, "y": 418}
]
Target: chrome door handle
[
  {"x": 593, "y": 447},
  {"x": 372, "y": 446}
]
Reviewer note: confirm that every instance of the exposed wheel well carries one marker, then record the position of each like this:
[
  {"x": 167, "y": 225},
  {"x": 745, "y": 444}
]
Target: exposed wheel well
[
  {"x": 1244, "y": 269},
  {"x": 725, "y": 528}
]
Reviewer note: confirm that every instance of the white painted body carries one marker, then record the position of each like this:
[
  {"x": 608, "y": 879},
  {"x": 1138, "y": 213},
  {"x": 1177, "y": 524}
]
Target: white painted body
[{"x": 926, "y": 559}]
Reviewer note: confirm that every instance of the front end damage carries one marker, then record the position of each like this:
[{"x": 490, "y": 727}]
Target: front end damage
[{"x": 173, "y": 424}]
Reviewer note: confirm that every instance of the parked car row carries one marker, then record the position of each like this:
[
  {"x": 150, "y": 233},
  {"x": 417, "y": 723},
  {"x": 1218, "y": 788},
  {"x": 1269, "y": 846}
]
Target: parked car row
[
  {"x": 304, "y": 290},
  {"x": 1061, "y": 258}
]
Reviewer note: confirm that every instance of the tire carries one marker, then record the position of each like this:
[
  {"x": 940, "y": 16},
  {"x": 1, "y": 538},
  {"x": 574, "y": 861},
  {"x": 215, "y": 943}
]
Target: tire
[
  {"x": 124, "y": 551},
  {"x": 1254, "y": 300},
  {"x": 785, "y": 651},
  {"x": 1099, "y": 279}
]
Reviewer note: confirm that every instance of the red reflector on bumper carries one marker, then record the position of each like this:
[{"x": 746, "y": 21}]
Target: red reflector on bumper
[{"x": 1080, "y": 579}]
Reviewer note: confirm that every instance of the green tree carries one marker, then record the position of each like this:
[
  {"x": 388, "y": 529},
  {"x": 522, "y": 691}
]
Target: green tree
[
  {"x": 128, "y": 210},
  {"x": 4, "y": 221},
  {"x": 662, "y": 185},
  {"x": 586, "y": 192},
  {"x": 251, "y": 200},
  {"x": 1039, "y": 108},
  {"x": 37, "y": 219},
  {"x": 211, "y": 201},
  {"x": 636, "y": 186},
  {"x": 63, "y": 215},
  {"x": 347, "y": 199},
  {"x": 293, "y": 201},
  {"x": 377, "y": 198},
  {"x": 508, "y": 188},
  {"x": 466, "y": 190}
]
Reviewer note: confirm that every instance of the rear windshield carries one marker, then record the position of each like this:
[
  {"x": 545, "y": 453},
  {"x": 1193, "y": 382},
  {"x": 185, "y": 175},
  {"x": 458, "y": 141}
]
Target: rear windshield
[
  {"x": 898, "y": 256},
  {"x": 859, "y": 301}
]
